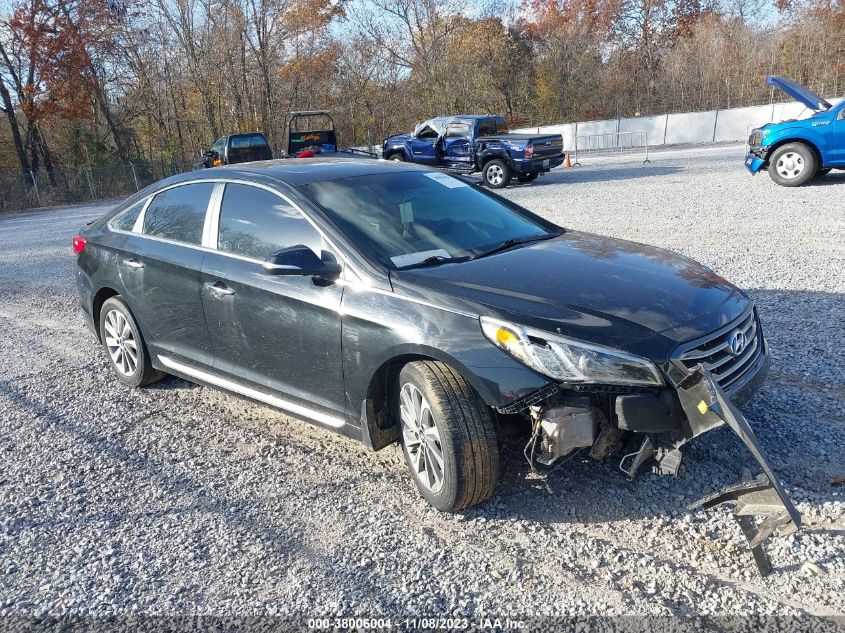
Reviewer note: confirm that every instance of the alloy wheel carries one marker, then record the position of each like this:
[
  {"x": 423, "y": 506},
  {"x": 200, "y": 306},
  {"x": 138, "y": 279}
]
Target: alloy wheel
[
  {"x": 421, "y": 437},
  {"x": 495, "y": 175},
  {"x": 121, "y": 343}
]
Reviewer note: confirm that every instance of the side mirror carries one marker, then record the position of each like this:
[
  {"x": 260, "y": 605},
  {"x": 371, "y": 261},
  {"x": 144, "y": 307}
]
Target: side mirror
[{"x": 302, "y": 261}]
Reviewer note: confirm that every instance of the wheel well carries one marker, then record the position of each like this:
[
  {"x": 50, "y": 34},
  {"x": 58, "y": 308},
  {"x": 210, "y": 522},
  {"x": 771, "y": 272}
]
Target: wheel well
[
  {"x": 802, "y": 141},
  {"x": 103, "y": 294},
  {"x": 381, "y": 398}
]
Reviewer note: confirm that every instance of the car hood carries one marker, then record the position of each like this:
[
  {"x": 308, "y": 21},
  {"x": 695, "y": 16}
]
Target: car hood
[
  {"x": 594, "y": 288},
  {"x": 799, "y": 93}
]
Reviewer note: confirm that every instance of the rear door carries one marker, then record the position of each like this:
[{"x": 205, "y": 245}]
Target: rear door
[
  {"x": 280, "y": 333},
  {"x": 162, "y": 274}
]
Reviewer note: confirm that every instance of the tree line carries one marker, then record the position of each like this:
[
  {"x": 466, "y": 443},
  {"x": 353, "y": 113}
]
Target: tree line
[{"x": 91, "y": 82}]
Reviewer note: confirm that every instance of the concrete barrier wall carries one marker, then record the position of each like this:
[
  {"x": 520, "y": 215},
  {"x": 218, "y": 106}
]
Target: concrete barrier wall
[
  {"x": 736, "y": 124},
  {"x": 714, "y": 126},
  {"x": 690, "y": 127},
  {"x": 653, "y": 126}
]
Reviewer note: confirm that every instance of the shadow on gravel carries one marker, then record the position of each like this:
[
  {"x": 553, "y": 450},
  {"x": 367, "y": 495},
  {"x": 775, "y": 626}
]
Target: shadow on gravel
[
  {"x": 603, "y": 173},
  {"x": 833, "y": 178}
]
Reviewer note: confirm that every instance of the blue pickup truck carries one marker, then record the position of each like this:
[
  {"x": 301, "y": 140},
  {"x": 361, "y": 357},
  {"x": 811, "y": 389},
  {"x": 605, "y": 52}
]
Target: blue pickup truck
[
  {"x": 469, "y": 143},
  {"x": 794, "y": 152}
]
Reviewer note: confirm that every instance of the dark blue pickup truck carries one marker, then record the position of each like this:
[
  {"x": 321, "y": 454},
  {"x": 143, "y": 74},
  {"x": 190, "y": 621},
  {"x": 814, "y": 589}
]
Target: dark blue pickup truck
[{"x": 469, "y": 143}]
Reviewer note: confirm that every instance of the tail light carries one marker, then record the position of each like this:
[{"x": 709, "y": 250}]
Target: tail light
[
  {"x": 79, "y": 243},
  {"x": 529, "y": 151}
]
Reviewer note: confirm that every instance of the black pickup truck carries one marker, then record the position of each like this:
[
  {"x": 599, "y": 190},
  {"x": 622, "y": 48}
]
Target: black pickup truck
[{"x": 236, "y": 148}]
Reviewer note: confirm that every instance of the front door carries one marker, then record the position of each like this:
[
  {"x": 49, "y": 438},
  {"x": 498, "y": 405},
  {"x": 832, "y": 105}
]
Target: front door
[
  {"x": 457, "y": 147},
  {"x": 161, "y": 271},
  {"x": 280, "y": 333},
  {"x": 423, "y": 146},
  {"x": 837, "y": 138}
]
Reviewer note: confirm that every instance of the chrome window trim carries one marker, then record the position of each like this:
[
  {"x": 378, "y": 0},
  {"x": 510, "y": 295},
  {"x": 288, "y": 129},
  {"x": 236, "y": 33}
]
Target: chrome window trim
[
  {"x": 249, "y": 392},
  {"x": 143, "y": 202},
  {"x": 138, "y": 229},
  {"x": 209, "y": 227}
]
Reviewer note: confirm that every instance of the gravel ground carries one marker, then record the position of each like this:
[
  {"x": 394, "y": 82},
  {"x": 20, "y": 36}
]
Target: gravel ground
[{"x": 178, "y": 499}]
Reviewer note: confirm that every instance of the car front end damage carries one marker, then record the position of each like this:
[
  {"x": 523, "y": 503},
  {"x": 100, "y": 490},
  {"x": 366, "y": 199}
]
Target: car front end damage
[
  {"x": 701, "y": 386},
  {"x": 756, "y": 154}
]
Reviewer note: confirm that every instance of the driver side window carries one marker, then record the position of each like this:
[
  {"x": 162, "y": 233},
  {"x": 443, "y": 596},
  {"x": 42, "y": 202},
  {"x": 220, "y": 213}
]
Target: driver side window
[
  {"x": 427, "y": 132},
  {"x": 255, "y": 222}
]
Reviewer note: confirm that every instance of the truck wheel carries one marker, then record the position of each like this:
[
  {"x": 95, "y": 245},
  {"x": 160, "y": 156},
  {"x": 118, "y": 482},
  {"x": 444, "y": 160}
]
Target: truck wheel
[
  {"x": 448, "y": 436},
  {"x": 793, "y": 164},
  {"x": 399, "y": 157},
  {"x": 529, "y": 177},
  {"x": 496, "y": 174}
]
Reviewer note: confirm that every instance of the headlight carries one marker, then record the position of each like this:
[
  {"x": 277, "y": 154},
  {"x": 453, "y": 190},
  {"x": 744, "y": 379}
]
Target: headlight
[{"x": 568, "y": 360}]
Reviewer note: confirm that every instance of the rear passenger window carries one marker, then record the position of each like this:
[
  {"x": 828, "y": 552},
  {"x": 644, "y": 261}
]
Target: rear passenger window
[
  {"x": 179, "y": 213},
  {"x": 255, "y": 222},
  {"x": 125, "y": 220}
]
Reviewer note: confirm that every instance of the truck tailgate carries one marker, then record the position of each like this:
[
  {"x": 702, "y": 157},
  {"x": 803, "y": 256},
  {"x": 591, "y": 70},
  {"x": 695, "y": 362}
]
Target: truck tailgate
[{"x": 545, "y": 145}]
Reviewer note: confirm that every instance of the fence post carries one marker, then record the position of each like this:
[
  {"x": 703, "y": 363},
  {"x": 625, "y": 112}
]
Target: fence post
[
  {"x": 134, "y": 176},
  {"x": 35, "y": 186},
  {"x": 715, "y": 125}
]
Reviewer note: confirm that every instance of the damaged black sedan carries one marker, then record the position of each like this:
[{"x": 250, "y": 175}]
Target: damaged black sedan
[{"x": 393, "y": 303}]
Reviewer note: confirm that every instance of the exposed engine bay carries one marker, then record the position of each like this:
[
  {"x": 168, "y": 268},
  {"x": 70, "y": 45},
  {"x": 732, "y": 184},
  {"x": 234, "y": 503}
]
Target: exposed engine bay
[{"x": 564, "y": 423}]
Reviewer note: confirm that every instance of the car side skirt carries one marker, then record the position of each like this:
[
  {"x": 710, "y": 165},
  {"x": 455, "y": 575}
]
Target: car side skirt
[{"x": 213, "y": 380}]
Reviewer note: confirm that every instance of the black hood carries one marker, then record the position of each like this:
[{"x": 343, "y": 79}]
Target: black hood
[{"x": 590, "y": 287}]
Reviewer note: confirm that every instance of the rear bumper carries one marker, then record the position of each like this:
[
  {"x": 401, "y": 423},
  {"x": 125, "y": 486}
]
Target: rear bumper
[{"x": 539, "y": 165}]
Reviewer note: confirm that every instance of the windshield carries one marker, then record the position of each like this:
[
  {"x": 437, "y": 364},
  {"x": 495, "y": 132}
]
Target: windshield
[{"x": 408, "y": 217}]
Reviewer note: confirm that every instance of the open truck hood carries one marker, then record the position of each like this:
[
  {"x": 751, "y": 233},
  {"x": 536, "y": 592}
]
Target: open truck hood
[{"x": 799, "y": 93}]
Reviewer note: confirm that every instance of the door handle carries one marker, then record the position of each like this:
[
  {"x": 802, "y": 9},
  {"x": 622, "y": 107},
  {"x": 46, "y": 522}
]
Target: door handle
[
  {"x": 133, "y": 263},
  {"x": 219, "y": 288}
]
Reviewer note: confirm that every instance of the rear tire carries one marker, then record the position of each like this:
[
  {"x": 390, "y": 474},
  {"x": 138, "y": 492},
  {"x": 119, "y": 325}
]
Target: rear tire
[
  {"x": 496, "y": 174},
  {"x": 529, "y": 177},
  {"x": 448, "y": 437},
  {"x": 793, "y": 165},
  {"x": 125, "y": 346}
]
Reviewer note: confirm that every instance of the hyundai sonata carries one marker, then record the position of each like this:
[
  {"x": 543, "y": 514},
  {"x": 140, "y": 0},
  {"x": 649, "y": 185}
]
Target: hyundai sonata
[{"x": 393, "y": 303}]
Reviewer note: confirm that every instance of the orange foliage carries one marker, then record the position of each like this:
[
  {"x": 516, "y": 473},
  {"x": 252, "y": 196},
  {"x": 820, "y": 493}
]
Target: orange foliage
[{"x": 57, "y": 48}]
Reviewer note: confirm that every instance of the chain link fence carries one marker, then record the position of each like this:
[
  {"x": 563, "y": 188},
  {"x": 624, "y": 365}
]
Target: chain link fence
[{"x": 27, "y": 190}]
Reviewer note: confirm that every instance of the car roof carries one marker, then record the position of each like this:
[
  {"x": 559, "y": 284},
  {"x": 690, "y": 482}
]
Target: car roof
[{"x": 296, "y": 171}]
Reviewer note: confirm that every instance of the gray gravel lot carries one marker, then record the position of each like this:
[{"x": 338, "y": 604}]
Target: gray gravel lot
[{"x": 177, "y": 499}]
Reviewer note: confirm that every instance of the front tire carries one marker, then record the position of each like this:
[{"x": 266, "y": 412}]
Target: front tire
[
  {"x": 125, "y": 346},
  {"x": 793, "y": 165},
  {"x": 399, "y": 157},
  {"x": 496, "y": 174},
  {"x": 448, "y": 437}
]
